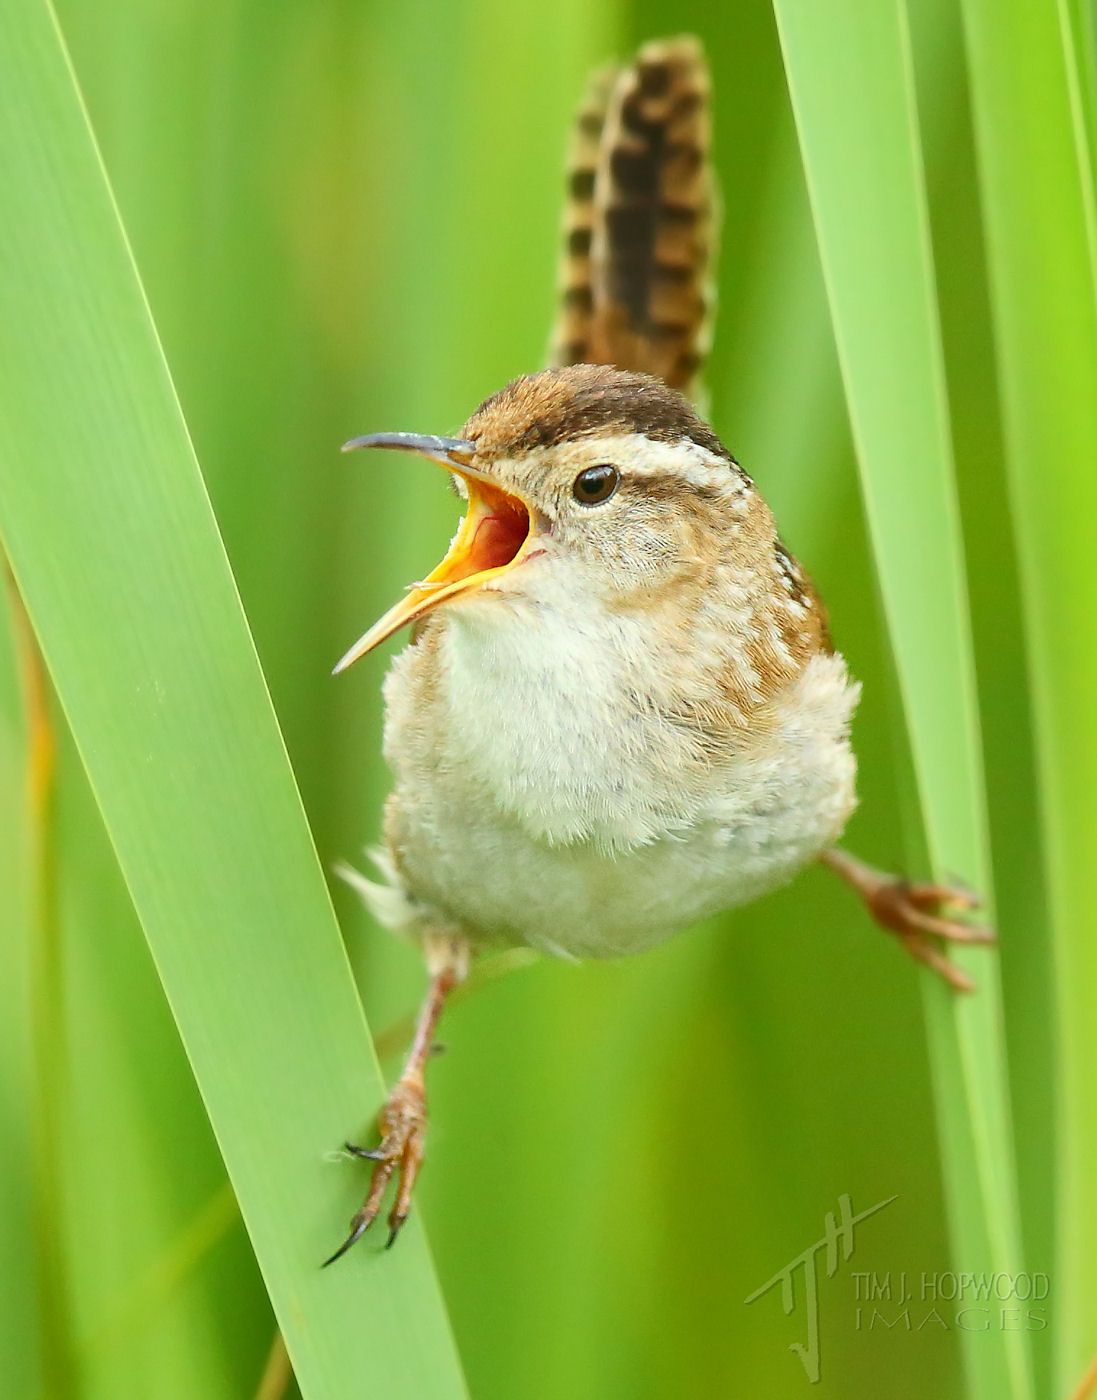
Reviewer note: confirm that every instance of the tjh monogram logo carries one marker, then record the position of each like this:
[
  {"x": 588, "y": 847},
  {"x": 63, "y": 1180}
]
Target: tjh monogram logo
[{"x": 835, "y": 1233}]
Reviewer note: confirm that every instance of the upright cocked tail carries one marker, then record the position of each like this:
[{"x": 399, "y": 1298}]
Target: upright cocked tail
[{"x": 639, "y": 222}]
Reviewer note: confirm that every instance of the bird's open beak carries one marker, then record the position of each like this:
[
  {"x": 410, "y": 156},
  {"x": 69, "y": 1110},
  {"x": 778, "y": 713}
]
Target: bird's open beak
[{"x": 492, "y": 537}]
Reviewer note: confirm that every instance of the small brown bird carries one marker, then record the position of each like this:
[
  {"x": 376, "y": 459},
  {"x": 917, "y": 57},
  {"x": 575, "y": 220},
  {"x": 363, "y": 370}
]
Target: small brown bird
[{"x": 621, "y": 710}]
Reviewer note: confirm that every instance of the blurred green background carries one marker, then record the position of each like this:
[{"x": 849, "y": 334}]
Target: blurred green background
[{"x": 346, "y": 218}]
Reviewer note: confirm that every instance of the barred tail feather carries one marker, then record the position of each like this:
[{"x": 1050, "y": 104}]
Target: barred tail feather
[{"x": 636, "y": 284}]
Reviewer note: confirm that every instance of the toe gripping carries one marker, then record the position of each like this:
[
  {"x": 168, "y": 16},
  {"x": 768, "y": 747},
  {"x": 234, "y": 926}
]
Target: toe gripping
[
  {"x": 915, "y": 913},
  {"x": 403, "y": 1120}
]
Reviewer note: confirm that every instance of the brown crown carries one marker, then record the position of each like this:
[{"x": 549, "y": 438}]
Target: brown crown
[{"x": 559, "y": 405}]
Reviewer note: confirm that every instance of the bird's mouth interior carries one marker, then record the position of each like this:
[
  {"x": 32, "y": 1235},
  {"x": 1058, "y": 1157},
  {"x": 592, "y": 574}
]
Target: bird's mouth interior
[{"x": 492, "y": 538}]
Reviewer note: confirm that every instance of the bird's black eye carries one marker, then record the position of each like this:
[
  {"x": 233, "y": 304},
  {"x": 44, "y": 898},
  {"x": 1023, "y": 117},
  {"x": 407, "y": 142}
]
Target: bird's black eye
[{"x": 596, "y": 484}]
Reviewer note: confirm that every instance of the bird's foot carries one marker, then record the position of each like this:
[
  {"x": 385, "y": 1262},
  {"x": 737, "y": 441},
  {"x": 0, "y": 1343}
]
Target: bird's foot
[
  {"x": 915, "y": 912},
  {"x": 403, "y": 1120},
  {"x": 403, "y": 1125}
]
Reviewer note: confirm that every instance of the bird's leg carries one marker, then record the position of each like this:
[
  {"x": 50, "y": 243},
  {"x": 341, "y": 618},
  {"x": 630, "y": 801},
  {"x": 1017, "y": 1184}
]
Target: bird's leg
[
  {"x": 403, "y": 1120},
  {"x": 913, "y": 911}
]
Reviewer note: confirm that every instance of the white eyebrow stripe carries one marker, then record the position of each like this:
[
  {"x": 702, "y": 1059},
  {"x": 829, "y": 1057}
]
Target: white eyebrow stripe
[{"x": 639, "y": 455}]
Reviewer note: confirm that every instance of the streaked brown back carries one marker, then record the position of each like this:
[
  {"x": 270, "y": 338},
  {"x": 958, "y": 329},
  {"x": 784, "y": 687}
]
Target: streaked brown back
[{"x": 639, "y": 221}]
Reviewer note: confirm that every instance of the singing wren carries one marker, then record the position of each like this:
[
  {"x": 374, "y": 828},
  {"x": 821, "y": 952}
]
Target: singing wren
[{"x": 621, "y": 709}]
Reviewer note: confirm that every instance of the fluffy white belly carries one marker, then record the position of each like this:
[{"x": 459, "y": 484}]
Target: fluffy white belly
[{"x": 575, "y": 856}]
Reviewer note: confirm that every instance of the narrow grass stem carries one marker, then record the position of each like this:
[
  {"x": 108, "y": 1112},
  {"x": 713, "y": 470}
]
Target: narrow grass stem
[{"x": 48, "y": 1039}]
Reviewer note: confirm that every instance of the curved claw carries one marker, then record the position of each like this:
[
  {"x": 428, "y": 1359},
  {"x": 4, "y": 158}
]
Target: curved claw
[
  {"x": 372, "y": 1154},
  {"x": 950, "y": 929},
  {"x": 402, "y": 1122},
  {"x": 359, "y": 1225},
  {"x": 923, "y": 951},
  {"x": 927, "y": 895}
]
